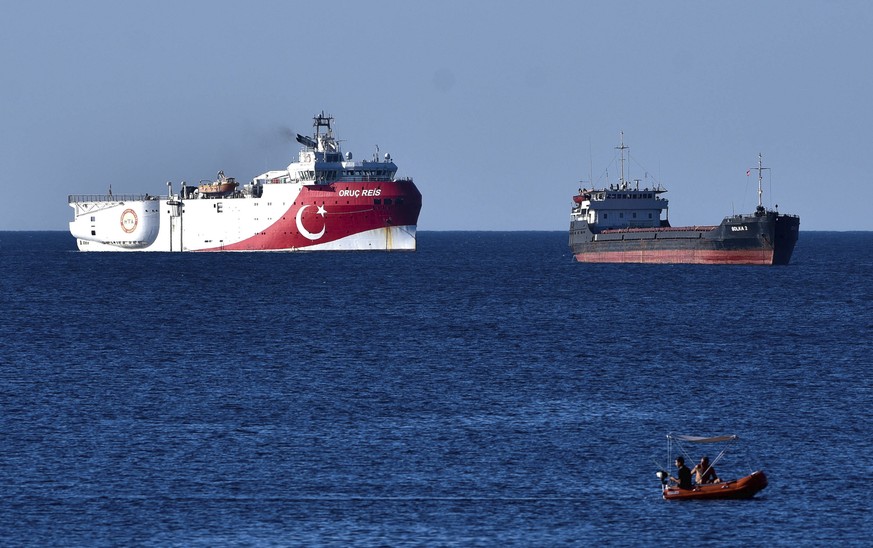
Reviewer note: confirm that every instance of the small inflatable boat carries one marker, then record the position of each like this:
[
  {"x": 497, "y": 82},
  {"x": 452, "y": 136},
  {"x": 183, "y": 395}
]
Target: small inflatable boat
[
  {"x": 743, "y": 488},
  {"x": 708, "y": 485}
]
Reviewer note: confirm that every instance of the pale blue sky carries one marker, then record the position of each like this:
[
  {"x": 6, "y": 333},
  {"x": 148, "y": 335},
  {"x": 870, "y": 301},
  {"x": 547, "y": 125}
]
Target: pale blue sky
[{"x": 497, "y": 109}]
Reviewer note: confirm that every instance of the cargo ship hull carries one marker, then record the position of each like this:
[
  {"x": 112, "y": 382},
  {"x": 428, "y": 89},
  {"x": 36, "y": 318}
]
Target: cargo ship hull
[
  {"x": 766, "y": 239},
  {"x": 623, "y": 223}
]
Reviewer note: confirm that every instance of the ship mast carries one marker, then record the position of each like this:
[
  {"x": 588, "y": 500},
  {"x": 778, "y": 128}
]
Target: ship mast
[
  {"x": 322, "y": 121},
  {"x": 622, "y": 149},
  {"x": 760, "y": 169}
]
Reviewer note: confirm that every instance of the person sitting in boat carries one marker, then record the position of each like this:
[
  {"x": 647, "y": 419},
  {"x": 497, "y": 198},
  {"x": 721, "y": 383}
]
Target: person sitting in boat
[
  {"x": 704, "y": 473},
  {"x": 684, "y": 479}
]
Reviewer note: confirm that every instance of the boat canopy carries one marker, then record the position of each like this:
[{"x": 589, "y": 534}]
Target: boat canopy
[{"x": 701, "y": 439}]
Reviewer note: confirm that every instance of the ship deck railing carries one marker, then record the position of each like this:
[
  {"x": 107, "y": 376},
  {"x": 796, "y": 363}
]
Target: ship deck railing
[
  {"x": 701, "y": 228},
  {"x": 364, "y": 179},
  {"x": 75, "y": 198}
]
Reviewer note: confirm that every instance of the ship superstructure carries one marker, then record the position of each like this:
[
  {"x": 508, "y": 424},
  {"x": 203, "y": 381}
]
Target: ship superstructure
[
  {"x": 626, "y": 223},
  {"x": 323, "y": 201}
]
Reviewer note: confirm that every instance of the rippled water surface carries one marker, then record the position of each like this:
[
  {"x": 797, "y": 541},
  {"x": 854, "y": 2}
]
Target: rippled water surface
[{"x": 483, "y": 390}]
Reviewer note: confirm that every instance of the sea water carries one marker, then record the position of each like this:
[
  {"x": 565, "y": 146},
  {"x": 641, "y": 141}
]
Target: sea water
[{"x": 484, "y": 390}]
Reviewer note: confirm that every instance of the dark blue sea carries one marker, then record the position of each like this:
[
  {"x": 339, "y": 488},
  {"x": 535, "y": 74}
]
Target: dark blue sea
[{"x": 483, "y": 391}]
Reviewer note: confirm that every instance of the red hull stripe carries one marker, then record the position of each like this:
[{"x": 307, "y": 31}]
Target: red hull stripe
[
  {"x": 342, "y": 216},
  {"x": 683, "y": 256}
]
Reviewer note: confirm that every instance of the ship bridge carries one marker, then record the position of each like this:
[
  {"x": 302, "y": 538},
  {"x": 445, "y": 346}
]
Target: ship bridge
[
  {"x": 321, "y": 161},
  {"x": 620, "y": 206}
]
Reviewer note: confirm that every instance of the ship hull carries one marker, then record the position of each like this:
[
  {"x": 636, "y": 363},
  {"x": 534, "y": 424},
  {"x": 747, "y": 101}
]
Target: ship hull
[
  {"x": 766, "y": 239},
  {"x": 376, "y": 215}
]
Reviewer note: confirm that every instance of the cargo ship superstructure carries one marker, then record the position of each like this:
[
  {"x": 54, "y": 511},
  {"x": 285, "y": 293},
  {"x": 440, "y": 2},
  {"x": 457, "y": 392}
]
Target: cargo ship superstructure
[
  {"x": 626, "y": 224},
  {"x": 323, "y": 201}
]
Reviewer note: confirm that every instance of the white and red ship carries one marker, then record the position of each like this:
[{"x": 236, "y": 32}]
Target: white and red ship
[{"x": 325, "y": 201}]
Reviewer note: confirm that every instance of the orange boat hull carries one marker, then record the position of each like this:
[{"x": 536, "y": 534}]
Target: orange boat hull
[{"x": 743, "y": 488}]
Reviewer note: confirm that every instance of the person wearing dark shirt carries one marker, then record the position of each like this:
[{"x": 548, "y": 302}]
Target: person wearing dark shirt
[{"x": 684, "y": 479}]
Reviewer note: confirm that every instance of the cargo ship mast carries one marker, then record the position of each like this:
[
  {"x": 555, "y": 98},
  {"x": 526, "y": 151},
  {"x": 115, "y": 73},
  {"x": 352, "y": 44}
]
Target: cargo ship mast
[
  {"x": 760, "y": 168},
  {"x": 622, "y": 148}
]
